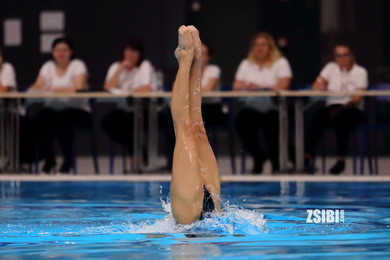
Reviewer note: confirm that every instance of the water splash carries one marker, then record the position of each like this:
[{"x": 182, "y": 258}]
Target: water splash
[{"x": 232, "y": 220}]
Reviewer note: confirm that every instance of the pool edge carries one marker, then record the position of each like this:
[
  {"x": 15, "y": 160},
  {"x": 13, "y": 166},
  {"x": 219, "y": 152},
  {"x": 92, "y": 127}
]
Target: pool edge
[{"x": 166, "y": 177}]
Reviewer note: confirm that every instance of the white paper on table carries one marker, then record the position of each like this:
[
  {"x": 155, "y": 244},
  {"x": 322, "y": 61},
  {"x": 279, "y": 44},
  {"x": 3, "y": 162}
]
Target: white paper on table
[
  {"x": 12, "y": 32},
  {"x": 32, "y": 90},
  {"x": 117, "y": 91},
  {"x": 47, "y": 40},
  {"x": 52, "y": 21}
]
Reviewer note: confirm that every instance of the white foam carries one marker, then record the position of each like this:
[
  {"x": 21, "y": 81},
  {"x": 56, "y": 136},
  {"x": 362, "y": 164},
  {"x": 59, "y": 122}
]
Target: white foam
[{"x": 232, "y": 220}]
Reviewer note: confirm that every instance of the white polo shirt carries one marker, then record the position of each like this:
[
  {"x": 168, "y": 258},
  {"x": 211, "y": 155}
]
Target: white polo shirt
[
  {"x": 7, "y": 75},
  {"x": 52, "y": 81},
  {"x": 265, "y": 77},
  {"x": 346, "y": 81},
  {"x": 135, "y": 78},
  {"x": 130, "y": 80},
  {"x": 211, "y": 72}
]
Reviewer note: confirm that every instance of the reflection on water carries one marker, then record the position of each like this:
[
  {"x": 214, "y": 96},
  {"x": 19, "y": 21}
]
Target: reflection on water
[
  {"x": 286, "y": 195},
  {"x": 10, "y": 190},
  {"x": 127, "y": 220},
  {"x": 194, "y": 249}
]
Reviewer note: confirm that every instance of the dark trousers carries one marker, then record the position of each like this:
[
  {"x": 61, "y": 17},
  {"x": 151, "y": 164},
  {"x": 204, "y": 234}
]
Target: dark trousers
[
  {"x": 119, "y": 126},
  {"x": 165, "y": 122},
  {"x": 249, "y": 123},
  {"x": 341, "y": 119},
  {"x": 49, "y": 124},
  {"x": 213, "y": 115},
  {"x": 26, "y": 145},
  {"x": 26, "y": 141}
]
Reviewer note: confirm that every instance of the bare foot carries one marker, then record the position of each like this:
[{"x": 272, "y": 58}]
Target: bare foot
[
  {"x": 196, "y": 42},
  {"x": 185, "y": 46}
]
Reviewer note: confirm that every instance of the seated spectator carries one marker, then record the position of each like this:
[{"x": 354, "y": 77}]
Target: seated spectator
[
  {"x": 265, "y": 68},
  {"x": 342, "y": 113},
  {"x": 7, "y": 75},
  {"x": 212, "y": 110},
  {"x": 8, "y": 84},
  {"x": 62, "y": 74},
  {"x": 132, "y": 73}
]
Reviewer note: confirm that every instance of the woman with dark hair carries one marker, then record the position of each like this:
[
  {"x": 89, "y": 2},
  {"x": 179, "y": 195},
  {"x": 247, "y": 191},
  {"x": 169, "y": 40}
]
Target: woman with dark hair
[
  {"x": 62, "y": 74},
  {"x": 132, "y": 73}
]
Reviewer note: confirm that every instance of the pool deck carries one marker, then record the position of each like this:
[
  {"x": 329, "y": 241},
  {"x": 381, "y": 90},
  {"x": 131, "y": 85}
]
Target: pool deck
[
  {"x": 167, "y": 177},
  {"x": 86, "y": 173}
]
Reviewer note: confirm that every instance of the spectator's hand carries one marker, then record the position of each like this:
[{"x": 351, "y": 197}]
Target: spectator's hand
[
  {"x": 354, "y": 102},
  {"x": 319, "y": 84},
  {"x": 37, "y": 87},
  {"x": 252, "y": 86},
  {"x": 125, "y": 64}
]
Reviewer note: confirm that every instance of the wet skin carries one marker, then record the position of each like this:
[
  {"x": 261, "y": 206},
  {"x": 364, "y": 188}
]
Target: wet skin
[{"x": 194, "y": 163}]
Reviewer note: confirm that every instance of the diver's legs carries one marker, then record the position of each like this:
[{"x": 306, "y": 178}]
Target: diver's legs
[
  {"x": 187, "y": 184},
  {"x": 208, "y": 163}
]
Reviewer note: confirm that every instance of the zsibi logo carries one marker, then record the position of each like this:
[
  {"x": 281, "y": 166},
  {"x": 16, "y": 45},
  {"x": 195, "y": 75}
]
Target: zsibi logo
[{"x": 325, "y": 216}]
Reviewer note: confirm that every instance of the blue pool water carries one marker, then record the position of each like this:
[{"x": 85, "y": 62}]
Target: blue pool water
[{"x": 68, "y": 220}]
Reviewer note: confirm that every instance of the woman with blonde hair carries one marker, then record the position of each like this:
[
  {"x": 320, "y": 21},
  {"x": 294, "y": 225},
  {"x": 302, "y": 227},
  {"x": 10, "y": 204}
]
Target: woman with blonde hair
[{"x": 265, "y": 68}]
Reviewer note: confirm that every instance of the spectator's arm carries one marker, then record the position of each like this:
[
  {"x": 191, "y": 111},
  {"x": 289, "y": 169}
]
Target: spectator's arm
[
  {"x": 282, "y": 84},
  {"x": 113, "y": 81},
  {"x": 79, "y": 83},
  {"x": 144, "y": 88},
  {"x": 39, "y": 83},
  {"x": 239, "y": 85},
  {"x": 319, "y": 84},
  {"x": 355, "y": 100},
  {"x": 4, "y": 88},
  {"x": 211, "y": 85}
]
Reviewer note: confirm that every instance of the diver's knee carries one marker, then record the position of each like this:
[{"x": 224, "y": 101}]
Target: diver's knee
[{"x": 199, "y": 129}]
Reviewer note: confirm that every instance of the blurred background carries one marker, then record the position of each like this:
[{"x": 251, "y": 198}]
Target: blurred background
[{"x": 305, "y": 30}]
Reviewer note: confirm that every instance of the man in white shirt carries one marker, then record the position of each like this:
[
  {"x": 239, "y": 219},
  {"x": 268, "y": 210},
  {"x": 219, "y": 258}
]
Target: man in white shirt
[{"x": 341, "y": 113}]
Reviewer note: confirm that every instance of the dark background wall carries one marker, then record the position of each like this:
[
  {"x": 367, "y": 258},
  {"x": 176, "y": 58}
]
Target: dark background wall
[
  {"x": 361, "y": 23},
  {"x": 98, "y": 27},
  {"x": 228, "y": 26}
]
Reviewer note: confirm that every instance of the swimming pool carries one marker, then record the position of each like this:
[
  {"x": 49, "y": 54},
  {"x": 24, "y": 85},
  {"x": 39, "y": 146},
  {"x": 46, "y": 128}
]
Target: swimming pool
[{"x": 68, "y": 220}]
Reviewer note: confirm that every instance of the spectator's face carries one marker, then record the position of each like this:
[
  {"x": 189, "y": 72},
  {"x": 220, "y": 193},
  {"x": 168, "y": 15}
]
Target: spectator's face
[
  {"x": 261, "y": 48},
  {"x": 62, "y": 53},
  {"x": 205, "y": 55},
  {"x": 131, "y": 56},
  {"x": 343, "y": 57}
]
